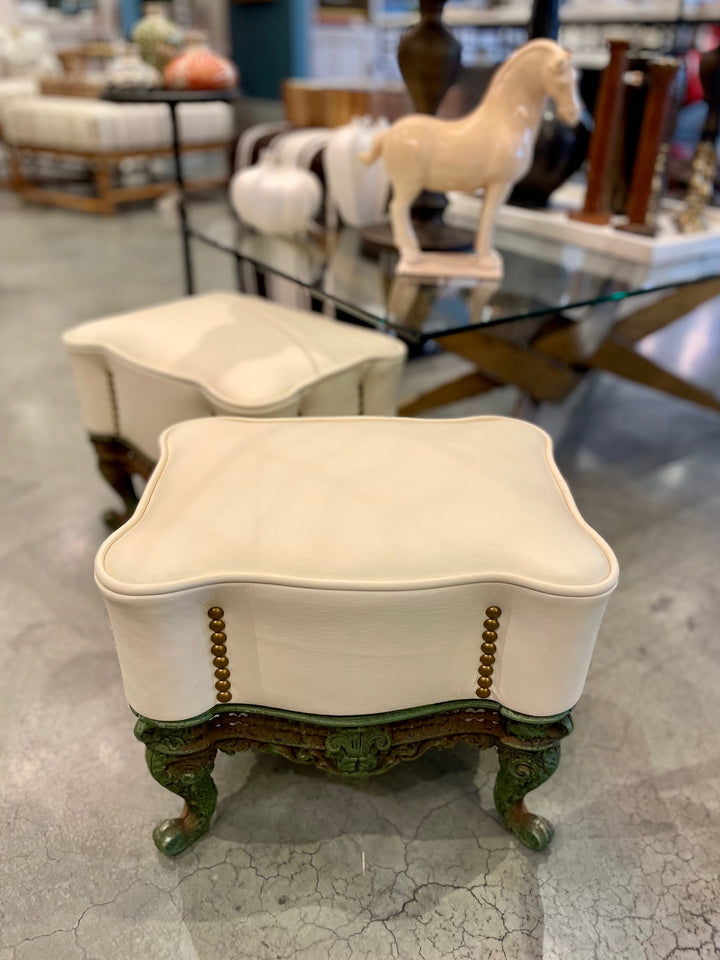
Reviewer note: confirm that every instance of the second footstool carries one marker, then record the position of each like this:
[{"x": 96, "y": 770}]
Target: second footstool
[{"x": 220, "y": 353}]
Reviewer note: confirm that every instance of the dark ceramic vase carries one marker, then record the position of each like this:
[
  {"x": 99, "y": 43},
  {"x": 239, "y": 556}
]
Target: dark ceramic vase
[
  {"x": 429, "y": 58},
  {"x": 559, "y": 150},
  {"x": 710, "y": 79}
]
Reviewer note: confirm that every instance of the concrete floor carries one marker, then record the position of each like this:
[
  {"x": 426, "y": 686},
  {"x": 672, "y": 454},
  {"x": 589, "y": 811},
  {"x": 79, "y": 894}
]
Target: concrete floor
[{"x": 633, "y": 870}]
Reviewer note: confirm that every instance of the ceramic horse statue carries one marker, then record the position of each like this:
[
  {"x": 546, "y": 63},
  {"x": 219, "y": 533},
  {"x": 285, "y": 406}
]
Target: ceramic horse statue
[{"x": 490, "y": 148}]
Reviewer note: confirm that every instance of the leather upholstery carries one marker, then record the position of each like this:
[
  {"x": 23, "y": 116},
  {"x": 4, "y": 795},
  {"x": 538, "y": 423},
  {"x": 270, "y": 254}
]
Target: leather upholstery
[
  {"x": 76, "y": 123},
  {"x": 354, "y": 559},
  {"x": 225, "y": 353}
]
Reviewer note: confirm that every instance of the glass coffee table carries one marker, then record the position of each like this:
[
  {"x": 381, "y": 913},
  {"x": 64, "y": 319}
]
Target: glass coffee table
[{"x": 559, "y": 311}]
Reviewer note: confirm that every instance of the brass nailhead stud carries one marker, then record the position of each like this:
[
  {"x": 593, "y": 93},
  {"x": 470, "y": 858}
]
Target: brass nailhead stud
[
  {"x": 485, "y": 670},
  {"x": 218, "y": 639}
]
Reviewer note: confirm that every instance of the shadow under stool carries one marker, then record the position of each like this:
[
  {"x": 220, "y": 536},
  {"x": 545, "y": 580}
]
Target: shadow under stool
[
  {"x": 212, "y": 355},
  {"x": 350, "y": 592}
]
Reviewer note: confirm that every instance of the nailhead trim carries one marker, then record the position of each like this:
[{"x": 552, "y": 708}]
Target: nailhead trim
[
  {"x": 114, "y": 403},
  {"x": 485, "y": 670},
  {"x": 218, "y": 641}
]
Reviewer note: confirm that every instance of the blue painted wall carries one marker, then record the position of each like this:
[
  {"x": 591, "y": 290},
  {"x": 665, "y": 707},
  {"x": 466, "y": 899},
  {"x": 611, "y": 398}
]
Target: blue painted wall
[
  {"x": 130, "y": 13},
  {"x": 270, "y": 42}
]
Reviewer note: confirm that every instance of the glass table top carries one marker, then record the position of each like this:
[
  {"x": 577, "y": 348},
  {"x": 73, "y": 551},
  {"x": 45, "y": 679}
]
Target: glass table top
[{"x": 541, "y": 277}]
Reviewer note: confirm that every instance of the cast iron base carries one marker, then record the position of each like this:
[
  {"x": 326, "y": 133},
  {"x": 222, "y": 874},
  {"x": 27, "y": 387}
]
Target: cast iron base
[{"x": 181, "y": 755}]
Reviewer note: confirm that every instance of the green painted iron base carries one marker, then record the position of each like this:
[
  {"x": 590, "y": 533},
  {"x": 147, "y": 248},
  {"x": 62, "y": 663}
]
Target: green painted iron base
[{"x": 181, "y": 755}]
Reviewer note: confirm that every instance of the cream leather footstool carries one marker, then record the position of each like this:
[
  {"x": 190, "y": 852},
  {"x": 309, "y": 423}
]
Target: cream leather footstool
[
  {"x": 350, "y": 592},
  {"x": 221, "y": 353}
]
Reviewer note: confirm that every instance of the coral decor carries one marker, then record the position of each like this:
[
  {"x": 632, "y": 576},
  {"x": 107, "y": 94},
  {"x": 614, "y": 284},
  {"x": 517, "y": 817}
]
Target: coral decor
[{"x": 198, "y": 68}]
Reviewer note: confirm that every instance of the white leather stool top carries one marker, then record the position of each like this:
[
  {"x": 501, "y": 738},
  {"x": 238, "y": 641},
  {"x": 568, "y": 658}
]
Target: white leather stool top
[
  {"x": 354, "y": 560},
  {"x": 358, "y": 502},
  {"x": 226, "y": 353},
  {"x": 243, "y": 351}
]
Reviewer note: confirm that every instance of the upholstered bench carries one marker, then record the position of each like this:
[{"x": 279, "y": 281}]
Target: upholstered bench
[
  {"x": 102, "y": 135},
  {"x": 220, "y": 353},
  {"x": 349, "y": 592}
]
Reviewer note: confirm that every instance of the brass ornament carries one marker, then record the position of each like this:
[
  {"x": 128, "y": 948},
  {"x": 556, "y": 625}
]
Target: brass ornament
[
  {"x": 218, "y": 649},
  {"x": 691, "y": 218},
  {"x": 487, "y": 659}
]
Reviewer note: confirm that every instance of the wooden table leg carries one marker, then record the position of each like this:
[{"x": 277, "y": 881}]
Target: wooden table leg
[
  {"x": 506, "y": 362},
  {"x": 615, "y": 352},
  {"x": 469, "y": 385}
]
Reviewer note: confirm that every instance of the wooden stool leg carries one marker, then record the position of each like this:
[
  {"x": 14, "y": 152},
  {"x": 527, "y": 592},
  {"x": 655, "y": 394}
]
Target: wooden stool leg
[
  {"x": 103, "y": 186},
  {"x": 17, "y": 176},
  {"x": 522, "y": 770}
]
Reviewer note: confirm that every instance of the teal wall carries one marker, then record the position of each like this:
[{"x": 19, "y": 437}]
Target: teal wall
[
  {"x": 130, "y": 13},
  {"x": 270, "y": 42}
]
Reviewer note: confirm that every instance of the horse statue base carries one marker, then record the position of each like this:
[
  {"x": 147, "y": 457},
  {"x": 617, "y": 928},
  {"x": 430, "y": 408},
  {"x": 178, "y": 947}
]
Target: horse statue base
[{"x": 470, "y": 266}]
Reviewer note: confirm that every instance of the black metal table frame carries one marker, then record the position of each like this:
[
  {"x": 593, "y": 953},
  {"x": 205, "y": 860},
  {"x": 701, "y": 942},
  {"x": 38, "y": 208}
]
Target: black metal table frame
[{"x": 172, "y": 98}]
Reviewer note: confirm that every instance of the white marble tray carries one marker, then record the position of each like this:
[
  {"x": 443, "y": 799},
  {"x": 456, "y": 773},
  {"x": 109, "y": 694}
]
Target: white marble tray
[{"x": 554, "y": 224}]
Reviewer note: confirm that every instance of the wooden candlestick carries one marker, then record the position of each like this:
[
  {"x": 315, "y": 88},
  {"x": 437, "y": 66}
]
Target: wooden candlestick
[
  {"x": 602, "y": 142},
  {"x": 650, "y": 160}
]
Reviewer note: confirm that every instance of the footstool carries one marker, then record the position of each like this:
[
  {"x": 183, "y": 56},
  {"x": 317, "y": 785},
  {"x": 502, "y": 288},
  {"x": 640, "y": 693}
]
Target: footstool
[
  {"x": 350, "y": 592},
  {"x": 220, "y": 353},
  {"x": 102, "y": 136}
]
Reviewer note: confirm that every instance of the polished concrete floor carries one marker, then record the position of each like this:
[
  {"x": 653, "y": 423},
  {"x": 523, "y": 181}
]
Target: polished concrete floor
[{"x": 298, "y": 866}]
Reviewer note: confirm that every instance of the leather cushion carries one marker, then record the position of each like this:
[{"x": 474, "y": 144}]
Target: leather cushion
[
  {"x": 361, "y": 502},
  {"x": 244, "y": 352}
]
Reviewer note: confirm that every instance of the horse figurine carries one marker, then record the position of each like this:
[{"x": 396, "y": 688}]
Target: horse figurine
[{"x": 490, "y": 148}]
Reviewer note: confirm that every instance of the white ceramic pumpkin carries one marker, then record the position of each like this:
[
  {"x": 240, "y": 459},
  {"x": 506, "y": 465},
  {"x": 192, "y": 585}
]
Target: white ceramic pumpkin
[
  {"x": 360, "y": 193},
  {"x": 275, "y": 197}
]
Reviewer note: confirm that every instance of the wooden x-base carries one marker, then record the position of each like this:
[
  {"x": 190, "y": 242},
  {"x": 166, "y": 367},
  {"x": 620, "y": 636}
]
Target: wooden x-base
[{"x": 547, "y": 357}]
